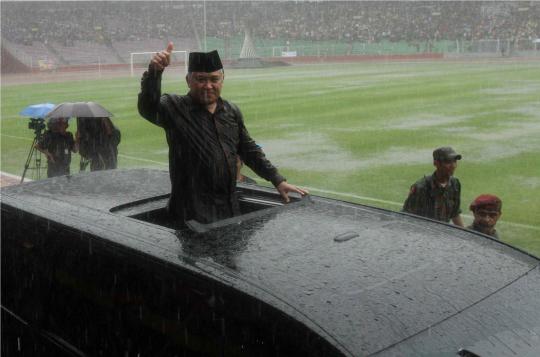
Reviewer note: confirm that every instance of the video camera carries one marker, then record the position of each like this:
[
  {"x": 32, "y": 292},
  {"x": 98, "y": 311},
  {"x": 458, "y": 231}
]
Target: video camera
[{"x": 37, "y": 124}]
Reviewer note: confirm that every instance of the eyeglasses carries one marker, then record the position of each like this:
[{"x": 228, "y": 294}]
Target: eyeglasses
[{"x": 203, "y": 79}]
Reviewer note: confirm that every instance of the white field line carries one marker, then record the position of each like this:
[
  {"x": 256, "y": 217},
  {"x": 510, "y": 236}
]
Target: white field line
[
  {"x": 145, "y": 160},
  {"x": 18, "y": 137},
  {"x": 342, "y": 194},
  {"x": 121, "y": 155},
  {"x": 18, "y": 178},
  {"x": 351, "y": 195}
]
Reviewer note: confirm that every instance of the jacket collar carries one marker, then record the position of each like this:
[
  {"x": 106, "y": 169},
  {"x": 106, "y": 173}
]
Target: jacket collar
[{"x": 435, "y": 185}]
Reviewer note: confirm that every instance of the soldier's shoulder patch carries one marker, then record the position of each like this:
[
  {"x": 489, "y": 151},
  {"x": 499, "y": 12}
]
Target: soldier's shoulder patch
[{"x": 412, "y": 191}]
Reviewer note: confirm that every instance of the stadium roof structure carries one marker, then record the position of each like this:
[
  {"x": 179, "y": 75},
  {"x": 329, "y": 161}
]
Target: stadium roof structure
[{"x": 91, "y": 264}]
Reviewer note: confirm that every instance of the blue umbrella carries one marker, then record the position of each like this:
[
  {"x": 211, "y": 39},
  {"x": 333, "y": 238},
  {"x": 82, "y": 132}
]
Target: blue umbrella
[{"x": 37, "y": 110}]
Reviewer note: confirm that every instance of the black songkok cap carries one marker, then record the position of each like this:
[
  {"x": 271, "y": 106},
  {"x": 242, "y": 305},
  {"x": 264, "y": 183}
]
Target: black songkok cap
[{"x": 204, "y": 62}]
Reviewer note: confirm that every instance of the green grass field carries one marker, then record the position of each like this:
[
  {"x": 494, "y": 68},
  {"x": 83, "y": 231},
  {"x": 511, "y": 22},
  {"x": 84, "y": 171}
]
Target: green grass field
[{"x": 361, "y": 132}]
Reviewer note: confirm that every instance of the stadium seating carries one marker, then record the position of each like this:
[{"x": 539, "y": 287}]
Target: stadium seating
[{"x": 85, "y": 33}]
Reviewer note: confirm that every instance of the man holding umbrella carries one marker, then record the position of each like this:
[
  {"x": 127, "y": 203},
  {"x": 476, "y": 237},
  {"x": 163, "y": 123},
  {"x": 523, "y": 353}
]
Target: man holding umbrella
[
  {"x": 205, "y": 134},
  {"x": 98, "y": 141},
  {"x": 97, "y": 138}
]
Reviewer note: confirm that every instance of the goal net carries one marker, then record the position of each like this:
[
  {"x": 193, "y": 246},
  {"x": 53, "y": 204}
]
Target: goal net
[{"x": 179, "y": 59}]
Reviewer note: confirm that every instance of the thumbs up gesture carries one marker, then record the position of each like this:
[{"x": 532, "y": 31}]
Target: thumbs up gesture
[{"x": 162, "y": 59}]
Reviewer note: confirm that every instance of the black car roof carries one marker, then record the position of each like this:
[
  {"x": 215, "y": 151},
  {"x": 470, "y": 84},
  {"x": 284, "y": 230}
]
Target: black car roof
[{"x": 368, "y": 280}]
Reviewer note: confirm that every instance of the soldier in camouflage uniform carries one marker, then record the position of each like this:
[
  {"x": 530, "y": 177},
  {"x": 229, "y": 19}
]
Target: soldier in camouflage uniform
[
  {"x": 438, "y": 196},
  {"x": 486, "y": 210}
]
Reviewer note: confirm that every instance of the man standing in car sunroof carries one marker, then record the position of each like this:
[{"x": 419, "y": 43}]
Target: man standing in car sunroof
[{"x": 205, "y": 134}]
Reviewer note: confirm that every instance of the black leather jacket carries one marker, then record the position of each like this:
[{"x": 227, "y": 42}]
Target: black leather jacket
[{"x": 202, "y": 152}]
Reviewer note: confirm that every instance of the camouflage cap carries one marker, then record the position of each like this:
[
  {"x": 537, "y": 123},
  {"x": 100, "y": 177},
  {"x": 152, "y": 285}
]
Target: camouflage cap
[
  {"x": 445, "y": 153},
  {"x": 487, "y": 202}
]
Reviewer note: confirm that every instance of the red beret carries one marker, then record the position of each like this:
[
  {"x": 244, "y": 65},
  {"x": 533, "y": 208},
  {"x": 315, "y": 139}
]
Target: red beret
[{"x": 486, "y": 201}]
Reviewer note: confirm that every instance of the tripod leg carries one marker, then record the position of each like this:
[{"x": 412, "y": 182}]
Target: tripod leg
[
  {"x": 37, "y": 160},
  {"x": 34, "y": 155},
  {"x": 29, "y": 159}
]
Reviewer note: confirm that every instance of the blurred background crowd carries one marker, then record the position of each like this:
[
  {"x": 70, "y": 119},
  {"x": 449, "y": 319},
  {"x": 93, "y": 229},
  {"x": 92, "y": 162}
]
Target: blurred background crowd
[
  {"x": 66, "y": 22},
  {"x": 106, "y": 32}
]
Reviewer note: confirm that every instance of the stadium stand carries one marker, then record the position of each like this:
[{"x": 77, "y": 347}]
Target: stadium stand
[
  {"x": 30, "y": 55},
  {"x": 84, "y": 52},
  {"x": 72, "y": 33},
  {"x": 12, "y": 65}
]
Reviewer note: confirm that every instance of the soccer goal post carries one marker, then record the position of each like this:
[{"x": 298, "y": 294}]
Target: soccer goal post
[{"x": 143, "y": 58}]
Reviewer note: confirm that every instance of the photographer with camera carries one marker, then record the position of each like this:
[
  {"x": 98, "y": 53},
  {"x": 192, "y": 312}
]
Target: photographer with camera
[{"x": 57, "y": 144}]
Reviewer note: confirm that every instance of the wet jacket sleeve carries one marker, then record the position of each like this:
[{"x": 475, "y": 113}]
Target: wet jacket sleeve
[
  {"x": 414, "y": 201},
  {"x": 150, "y": 103},
  {"x": 253, "y": 156},
  {"x": 456, "y": 209}
]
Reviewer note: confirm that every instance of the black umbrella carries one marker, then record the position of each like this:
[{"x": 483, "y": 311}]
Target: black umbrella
[{"x": 79, "y": 109}]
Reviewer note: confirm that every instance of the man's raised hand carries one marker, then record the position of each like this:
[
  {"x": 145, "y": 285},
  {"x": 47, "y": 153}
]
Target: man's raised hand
[{"x": 162, "y": 59}]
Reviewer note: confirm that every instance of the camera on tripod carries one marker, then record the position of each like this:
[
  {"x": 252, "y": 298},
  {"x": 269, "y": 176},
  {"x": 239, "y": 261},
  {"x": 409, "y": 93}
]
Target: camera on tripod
[{"x": 37, "y": 124}]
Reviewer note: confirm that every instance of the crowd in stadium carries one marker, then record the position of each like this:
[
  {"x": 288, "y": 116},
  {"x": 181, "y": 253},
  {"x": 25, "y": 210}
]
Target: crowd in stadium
[{"x": 66, "y": 22}]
